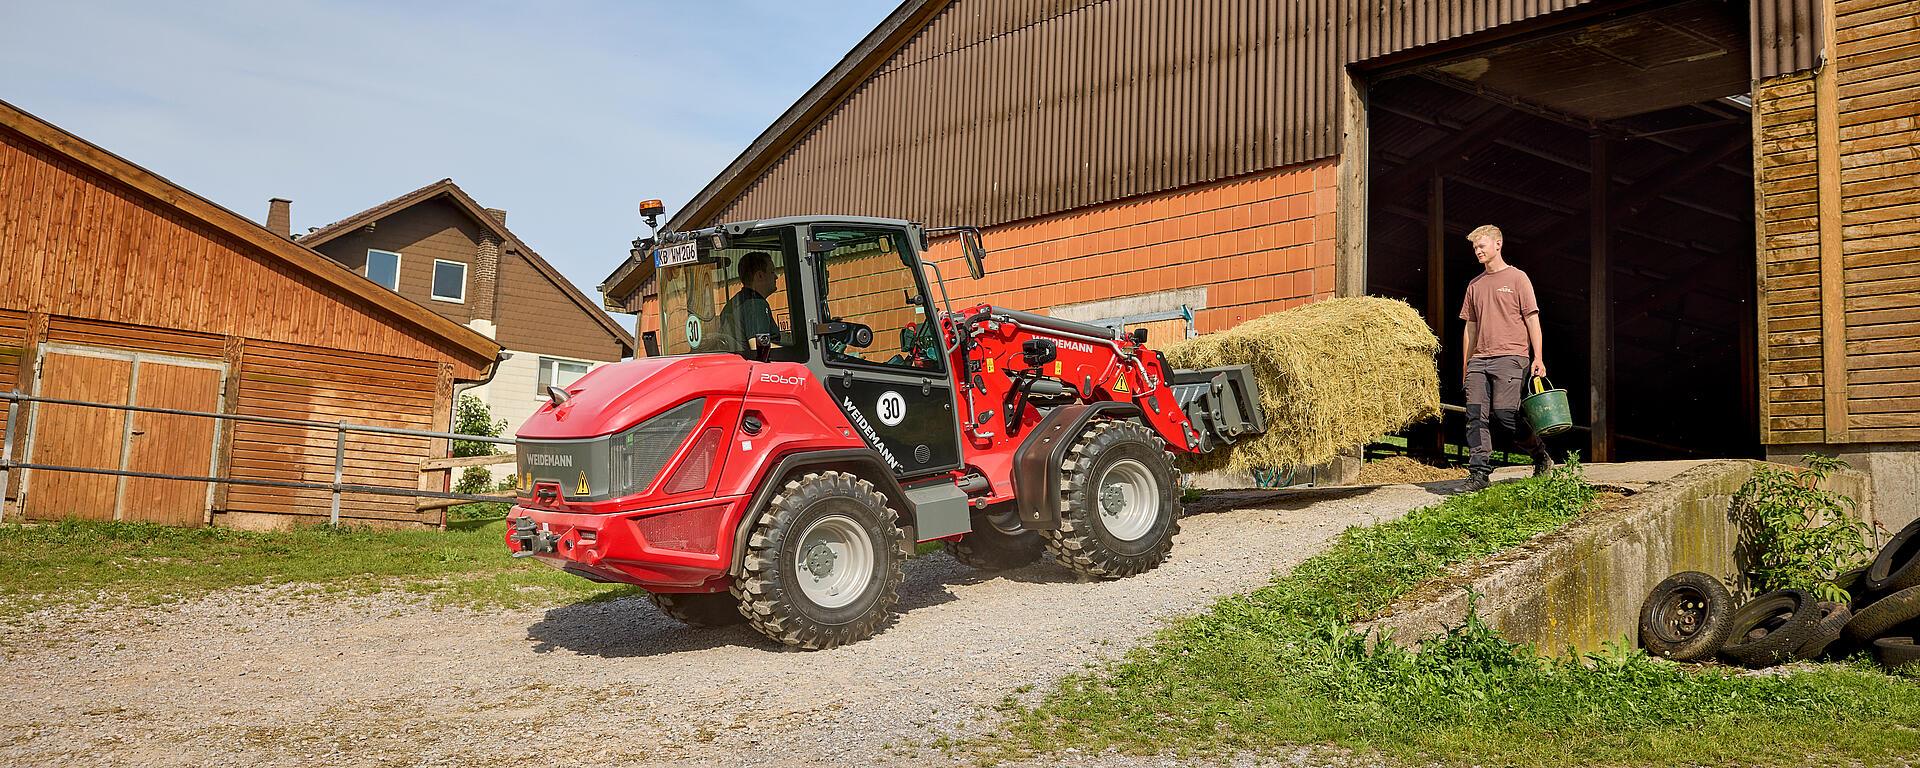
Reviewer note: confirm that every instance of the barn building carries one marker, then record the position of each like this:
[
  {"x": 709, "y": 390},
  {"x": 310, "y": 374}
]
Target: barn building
[
  {"x": 1719, "y": 202},
  {"x": 117, "y": 286}
]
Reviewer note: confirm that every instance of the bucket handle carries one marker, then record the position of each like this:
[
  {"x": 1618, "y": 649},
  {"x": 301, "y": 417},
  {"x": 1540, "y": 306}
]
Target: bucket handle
[{"x": 1538, "y": 384}]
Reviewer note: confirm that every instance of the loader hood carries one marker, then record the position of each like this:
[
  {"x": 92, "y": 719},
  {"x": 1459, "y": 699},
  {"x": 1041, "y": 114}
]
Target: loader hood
[{"x": 614, "y": 397}]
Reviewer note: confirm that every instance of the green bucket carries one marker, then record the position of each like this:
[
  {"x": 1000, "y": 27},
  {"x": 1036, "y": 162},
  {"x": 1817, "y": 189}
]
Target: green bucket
[{"x": 1546, "y": 407}]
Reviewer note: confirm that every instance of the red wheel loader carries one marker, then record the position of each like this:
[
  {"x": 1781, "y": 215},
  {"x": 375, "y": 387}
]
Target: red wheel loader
[{"x": 809, "y": 412}]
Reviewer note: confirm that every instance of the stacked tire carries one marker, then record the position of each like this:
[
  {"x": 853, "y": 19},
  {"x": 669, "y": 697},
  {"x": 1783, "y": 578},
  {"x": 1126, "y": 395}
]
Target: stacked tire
[
  {"x": 1691, "y": 616},
  {"x": 1886, "y": 616}
]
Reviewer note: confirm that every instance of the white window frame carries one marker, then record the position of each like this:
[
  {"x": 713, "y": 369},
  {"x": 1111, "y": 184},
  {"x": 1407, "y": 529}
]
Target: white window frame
[
  {"x": 368, "y": 273},
  {"x": 433, "y": 282},
  {"x": 541, "y": 362}
]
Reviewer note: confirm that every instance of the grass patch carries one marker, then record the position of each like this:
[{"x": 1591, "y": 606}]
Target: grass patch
[
  {"x": 134, "y": 563},
  {"x": 1283, "y": 667}
]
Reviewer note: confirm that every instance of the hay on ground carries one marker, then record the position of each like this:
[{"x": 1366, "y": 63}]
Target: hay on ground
[
  {"x": 1333, "y": 374},
  {"x": 1396, "y": 470}
]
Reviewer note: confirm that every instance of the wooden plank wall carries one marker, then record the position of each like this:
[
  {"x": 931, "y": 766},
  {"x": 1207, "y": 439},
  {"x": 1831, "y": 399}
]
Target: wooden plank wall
[
  {"x": 294, "y": 382},
  {"x": 1878, "y": 73},
  {"x": 78, "y": 244},
  {"x": 1786, "y": 176}
]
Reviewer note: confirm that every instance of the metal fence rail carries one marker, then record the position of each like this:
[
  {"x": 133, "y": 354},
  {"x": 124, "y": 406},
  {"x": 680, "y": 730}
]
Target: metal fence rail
[{"x": 340, "y": 429}]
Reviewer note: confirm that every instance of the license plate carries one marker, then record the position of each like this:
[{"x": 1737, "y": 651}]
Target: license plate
[{"x": 676, "y": 254}]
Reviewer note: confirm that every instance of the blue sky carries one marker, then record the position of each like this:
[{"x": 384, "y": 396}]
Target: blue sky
[{"x": 566, "y": 114}]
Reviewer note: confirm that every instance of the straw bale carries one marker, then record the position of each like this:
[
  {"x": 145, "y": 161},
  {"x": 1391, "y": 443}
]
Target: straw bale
[{"x": 1333, "y": 374}]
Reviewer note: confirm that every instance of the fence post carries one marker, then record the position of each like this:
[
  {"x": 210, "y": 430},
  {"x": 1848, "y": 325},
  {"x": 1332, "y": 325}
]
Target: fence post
[
  {"x": 339, "y": 469},
  {"x": 6, "y": 453}
]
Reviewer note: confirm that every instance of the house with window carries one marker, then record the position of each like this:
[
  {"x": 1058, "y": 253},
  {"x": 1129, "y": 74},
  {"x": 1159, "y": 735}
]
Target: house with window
[{"x": 446, "y": 252}]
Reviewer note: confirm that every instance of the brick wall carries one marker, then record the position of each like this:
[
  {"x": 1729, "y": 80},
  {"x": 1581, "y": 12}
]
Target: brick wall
[{"x": 1258, "y": 244}]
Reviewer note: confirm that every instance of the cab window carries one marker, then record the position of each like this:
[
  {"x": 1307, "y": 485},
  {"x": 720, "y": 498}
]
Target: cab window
[{"x": 869, "y": 281}]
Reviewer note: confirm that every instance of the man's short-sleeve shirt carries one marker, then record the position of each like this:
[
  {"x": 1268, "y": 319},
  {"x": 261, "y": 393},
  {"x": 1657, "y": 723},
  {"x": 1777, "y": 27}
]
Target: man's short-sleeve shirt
[{"x": 1498, "y": 303}]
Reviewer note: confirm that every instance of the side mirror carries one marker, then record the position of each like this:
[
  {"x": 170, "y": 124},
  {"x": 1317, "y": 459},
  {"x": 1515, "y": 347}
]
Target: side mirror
[{"x": 976, "y": 255}]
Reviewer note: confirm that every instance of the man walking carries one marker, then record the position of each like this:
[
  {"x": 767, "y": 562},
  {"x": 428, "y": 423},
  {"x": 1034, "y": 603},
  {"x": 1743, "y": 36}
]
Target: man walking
[{"x": 1500, "y": 348}]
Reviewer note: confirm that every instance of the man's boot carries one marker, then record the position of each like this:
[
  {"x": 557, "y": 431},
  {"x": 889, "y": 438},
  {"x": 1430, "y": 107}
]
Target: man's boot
[
  {"x": 1543, "y": 464},
  {"x": 1478, "y": 481}
]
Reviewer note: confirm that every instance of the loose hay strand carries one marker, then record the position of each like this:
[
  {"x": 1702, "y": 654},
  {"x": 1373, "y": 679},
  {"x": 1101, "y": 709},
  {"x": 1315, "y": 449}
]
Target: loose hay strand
[{"x": 1333, "y": 374}]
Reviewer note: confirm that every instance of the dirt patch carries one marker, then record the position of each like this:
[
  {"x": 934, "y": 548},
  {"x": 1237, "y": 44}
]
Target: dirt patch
[
  {"x": 1394, "y": 470},
  {"x": 274, "y": 677}
]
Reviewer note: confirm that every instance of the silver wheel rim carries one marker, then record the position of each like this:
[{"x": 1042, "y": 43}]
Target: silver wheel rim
[
  {"x": 1129, "y": 499},
  {"x": 834, "y": 561}
]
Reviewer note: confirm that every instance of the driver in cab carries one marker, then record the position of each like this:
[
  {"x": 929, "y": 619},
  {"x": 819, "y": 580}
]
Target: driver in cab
[{"x": 747, "y": 314}]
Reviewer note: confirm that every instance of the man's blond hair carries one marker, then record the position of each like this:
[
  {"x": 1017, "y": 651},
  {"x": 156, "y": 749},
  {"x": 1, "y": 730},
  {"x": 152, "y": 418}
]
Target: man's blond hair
[{"x": 1485, "y": 230}]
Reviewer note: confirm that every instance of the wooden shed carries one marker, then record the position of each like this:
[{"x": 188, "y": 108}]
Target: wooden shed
[{"x": 121, "y": 287}]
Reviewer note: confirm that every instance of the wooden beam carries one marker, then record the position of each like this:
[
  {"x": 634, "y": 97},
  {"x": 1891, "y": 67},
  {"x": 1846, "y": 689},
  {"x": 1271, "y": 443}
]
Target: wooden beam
[
  {"x": 1599, "y": 306},
  {"x": 1833, "y": 322},
  {"x": 456, "y": 462},
  {"x": 1350, "y": 221},
  {"x": 1436, "y": 444}
]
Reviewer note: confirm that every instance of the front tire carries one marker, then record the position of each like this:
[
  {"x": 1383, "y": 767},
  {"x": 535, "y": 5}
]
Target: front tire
[
  {"x": 1119, "y": 502},
  {"x": 823, "y": 565}
]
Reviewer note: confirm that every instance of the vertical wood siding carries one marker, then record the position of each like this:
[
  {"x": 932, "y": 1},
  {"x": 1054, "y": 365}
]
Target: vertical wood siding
[
  {"x": 1786, "y": 174},
  {"x": 77, "y": 244},
  {"x": 13, "y": 350},
  {"x": 1878, "y": 67}
]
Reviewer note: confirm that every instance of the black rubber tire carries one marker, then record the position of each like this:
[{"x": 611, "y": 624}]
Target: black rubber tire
[
  {"x": 711, "y": 609},
  {"x": 1881, "y": 616},
  {"x": 1686, "y": 617},
  {"x": 1833, "y": 621},
  {"x": 1895, "y": 652},
  {"x": 769, "y": 590},
  {"x": 1897, "y": 566},
  {"x": 1789, "y": 617},
  {"x": 1083, "y": 542},
  {"x": 991, "y": 546}
]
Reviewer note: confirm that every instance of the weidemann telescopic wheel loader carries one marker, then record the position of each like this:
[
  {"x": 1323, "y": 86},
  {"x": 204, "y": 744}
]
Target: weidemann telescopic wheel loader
[{"x": 770, "y": 461}]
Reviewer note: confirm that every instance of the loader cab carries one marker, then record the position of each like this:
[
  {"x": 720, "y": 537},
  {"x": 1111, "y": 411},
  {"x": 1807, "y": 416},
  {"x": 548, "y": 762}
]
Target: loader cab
[{"x": 847, "y": 298}]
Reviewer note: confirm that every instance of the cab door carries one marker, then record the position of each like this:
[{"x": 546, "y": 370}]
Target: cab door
[{"x": 870, "y": 341}]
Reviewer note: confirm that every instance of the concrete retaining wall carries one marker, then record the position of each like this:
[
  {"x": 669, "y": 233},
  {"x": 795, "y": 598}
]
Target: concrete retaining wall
[{"x": 1582, "y": 586}]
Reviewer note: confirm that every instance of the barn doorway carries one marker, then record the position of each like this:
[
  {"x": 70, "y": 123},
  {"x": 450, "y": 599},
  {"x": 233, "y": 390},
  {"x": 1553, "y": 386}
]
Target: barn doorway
[
  {"x": 1617, "y": 158},
  {"x": 103, "y": 438}
]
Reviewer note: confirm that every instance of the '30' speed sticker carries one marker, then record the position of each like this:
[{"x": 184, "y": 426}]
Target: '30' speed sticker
[{"x": 891, "y": 409}]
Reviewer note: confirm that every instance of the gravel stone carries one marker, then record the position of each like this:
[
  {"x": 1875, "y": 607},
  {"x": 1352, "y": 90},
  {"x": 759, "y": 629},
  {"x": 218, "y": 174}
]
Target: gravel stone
[{"x": 284, "y": 677}]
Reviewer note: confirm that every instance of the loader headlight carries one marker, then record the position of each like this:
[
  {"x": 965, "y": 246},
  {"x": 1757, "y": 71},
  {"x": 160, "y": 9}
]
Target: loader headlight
[{"x": 638, "y": 453}]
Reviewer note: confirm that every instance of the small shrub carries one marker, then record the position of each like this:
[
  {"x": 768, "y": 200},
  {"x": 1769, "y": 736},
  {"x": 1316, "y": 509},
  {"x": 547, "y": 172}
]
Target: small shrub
[
  {"x": 1800, "y": 535},
  {"x": 471, "y": 416}
]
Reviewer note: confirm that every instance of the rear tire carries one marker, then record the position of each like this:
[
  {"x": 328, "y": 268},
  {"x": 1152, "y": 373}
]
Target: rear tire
[
  {"x": 1119, "y": 502},
  {"x": 711, "y": 609},
  {"x": 996, "y": 543},
  {"x": 823, "y": 565},
  {"x": 1686, "y": 617}
]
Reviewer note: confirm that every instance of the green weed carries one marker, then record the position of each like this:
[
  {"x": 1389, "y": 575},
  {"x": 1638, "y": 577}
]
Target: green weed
[{"x": 1282, "y": 666}]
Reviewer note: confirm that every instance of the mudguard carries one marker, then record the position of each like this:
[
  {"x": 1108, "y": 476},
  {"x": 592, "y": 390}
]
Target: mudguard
[
  {"x": 1036, "y": 463},
  {"x": 860, "y": 461}
]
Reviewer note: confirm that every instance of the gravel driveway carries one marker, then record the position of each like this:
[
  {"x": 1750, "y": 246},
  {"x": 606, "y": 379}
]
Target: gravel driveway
[{"x": 262, "y": 678}]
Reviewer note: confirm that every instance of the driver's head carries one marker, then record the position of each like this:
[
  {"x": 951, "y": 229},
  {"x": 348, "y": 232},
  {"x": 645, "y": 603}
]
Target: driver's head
[{"x": 756, "y": 271}]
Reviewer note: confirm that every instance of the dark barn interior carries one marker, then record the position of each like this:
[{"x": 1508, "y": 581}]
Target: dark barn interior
[{"x": 1510, "y": 134}]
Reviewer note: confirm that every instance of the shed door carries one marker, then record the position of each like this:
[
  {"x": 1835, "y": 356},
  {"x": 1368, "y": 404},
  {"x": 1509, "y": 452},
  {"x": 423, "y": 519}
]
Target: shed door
[{"x": 76, "y": 436}]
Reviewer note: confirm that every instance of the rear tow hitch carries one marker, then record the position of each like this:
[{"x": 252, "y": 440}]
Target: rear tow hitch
[{"x": 532, "y": 541}]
